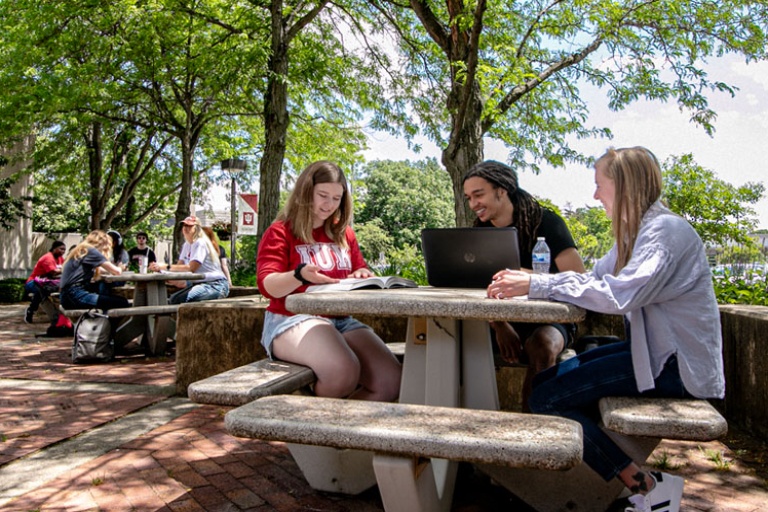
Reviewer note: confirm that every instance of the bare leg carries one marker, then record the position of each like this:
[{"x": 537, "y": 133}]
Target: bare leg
[
  {"x": 509, "y": 342},
  {"x": 380, "y": 370},
  {"x": 636, "y": 480},
  {"x": 542, "y": 349},
  {"x": 317, "y": 344}
]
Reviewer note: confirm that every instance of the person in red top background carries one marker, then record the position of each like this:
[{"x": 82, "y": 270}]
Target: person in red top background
[
  {"x": 311, "y": 242},
  {"x": 44, "y": 278}
]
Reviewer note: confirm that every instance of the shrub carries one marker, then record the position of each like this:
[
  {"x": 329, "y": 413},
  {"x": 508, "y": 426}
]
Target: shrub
[
  {"x": 739, "y": 286},
  {"x": 12, "y": 290}
]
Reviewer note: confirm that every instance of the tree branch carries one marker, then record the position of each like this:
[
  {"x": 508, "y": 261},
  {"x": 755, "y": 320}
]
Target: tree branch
[
  {"x": 521, "y": 90},
  {"x": 434, "y": 28},
  {"x": 472, "y": 58}
]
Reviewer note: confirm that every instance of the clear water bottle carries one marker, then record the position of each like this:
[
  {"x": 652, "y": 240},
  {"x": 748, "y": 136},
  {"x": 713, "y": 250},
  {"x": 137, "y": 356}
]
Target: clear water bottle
[{"x": 540, "y": 256}]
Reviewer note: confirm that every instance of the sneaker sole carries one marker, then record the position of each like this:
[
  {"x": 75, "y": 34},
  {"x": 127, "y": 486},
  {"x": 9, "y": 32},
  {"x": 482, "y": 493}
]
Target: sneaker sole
[{"x": 676, "y": 485}]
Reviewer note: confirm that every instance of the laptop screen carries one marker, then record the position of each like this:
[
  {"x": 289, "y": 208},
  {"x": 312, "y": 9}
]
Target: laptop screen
[{"x": 468, "y": 257}]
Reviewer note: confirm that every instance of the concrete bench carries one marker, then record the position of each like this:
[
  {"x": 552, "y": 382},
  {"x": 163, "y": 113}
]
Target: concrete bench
[
  {"x": 249, "y": 382},
  {"x": 637, "y": 425},
  {"x": 152, "y": 323},
  {"x": 265, "y": 377},
  {"x": 168, "y": 309},
  {"x": 401, "y": 437},
  {"x": 663, "y": 418}
]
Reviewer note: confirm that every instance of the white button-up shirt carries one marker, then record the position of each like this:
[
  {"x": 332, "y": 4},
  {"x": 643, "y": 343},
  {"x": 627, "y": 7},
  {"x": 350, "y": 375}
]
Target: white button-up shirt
[{"x": 666, "y": 292}]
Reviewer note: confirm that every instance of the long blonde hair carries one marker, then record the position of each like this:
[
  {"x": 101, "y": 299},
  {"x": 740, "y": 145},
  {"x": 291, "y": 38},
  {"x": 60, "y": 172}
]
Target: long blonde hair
[
  {"x": 298, "y": 208},
  {"x": 212, "y": 237},
  {"x": 197, "y": 234},
  {"x": 636, "y": 175},
  {"x": 96, "y": 239}
]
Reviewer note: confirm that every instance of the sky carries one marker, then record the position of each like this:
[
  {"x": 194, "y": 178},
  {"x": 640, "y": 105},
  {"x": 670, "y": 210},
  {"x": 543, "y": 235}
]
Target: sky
[{"x": 734, "y": 153}]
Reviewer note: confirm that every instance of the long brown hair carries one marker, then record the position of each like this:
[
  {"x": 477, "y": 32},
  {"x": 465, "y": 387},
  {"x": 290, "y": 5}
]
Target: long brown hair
[
  {"x": 636, "y": 175},
  {"x": 298, "y": 209}
]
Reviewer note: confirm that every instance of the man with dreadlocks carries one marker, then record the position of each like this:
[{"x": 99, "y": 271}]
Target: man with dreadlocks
[{"x": 492, "y": 190}]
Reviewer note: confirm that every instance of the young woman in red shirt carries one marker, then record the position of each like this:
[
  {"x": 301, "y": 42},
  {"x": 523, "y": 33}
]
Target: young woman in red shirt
[{"x": 311, "y": 242}]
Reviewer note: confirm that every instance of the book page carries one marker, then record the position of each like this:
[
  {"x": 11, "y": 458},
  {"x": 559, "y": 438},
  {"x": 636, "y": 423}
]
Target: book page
[
  {"x": 352, "y": 283},
  {"x": 349, "y": 283}
]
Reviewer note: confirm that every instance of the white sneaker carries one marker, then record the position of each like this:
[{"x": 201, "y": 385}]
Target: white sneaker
[{"x": 664, "y": 497}]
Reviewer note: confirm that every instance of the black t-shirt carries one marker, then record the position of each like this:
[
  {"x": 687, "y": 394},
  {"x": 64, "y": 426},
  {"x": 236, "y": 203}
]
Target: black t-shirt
[
  {"x": 79, "y": 272},
  {"x": 556, "y": 234},
  {"x": 147, "y": 252}
]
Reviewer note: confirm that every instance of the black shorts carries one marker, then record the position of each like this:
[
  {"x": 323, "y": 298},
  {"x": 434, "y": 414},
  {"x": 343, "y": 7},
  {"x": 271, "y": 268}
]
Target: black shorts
[{"x": 525, "y": 330}]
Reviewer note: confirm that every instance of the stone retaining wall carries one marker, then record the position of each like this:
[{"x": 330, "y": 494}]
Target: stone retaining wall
[
  {"x": 213, "y": 338},
  {"x": 745, "y": 353}
]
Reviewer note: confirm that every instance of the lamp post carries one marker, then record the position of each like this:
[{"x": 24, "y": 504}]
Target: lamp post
[{"x": 232, "y": 166}]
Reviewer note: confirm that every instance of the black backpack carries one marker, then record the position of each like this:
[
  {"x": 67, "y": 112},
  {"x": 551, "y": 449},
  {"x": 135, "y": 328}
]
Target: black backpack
[{"x": 93, "y": 341}]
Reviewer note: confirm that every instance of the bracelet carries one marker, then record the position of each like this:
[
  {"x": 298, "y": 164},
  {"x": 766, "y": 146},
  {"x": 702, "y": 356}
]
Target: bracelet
[
  {"x": 298, "y": 276},
  {"x": 167, "y": 266}
]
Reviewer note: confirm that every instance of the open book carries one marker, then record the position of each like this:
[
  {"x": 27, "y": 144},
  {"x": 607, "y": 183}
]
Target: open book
[{"x": 361, "y": 284}]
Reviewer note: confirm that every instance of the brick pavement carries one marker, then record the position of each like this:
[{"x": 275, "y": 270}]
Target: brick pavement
[{"x": 191, "y": 464}]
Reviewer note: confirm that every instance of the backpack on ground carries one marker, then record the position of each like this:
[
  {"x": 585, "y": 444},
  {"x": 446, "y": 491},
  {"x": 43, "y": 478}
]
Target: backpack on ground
[{"x": 93, "y": 339}]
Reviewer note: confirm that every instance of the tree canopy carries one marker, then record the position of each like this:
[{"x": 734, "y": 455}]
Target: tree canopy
[
  {"x": 403, "y": 198},
  {"x": 135, "y": 98},
  {"x": 719, "y": 211},
  {"x": 513, "y": 70}
]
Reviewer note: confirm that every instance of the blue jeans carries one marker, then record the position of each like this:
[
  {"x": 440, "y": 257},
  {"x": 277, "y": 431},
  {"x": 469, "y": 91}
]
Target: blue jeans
[
  {"x": 573, "y": 388},
  {"x": 276, "y": 324},
  {"x": 77, "y": 297},
  {"x": 31, "y": 288},
  {"x": 207, "y": 290}
]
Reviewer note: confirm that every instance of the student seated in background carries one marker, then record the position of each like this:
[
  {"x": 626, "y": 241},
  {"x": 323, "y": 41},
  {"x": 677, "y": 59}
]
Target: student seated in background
[
  {"x": 142, "y": 250},
  {"x": 79, "y": 278},
  {"x": 44, "y": 278},
  {"x": 197, "y": 255},
  {"x": 657, "y": 276},
  {"x": 492, "y": 191},
  {"x": 222, "y": 254}
]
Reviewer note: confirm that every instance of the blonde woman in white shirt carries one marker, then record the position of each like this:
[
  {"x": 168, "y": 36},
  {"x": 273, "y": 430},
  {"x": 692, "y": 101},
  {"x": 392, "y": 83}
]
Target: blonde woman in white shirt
[
  {"x": 197, "y": 255},
  {"x": 658, "y": 277}
]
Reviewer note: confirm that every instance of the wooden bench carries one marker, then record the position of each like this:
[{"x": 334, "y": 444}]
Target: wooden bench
[
  {"x": 402, "y": 437},
  {"x": 637, "y": 425}
]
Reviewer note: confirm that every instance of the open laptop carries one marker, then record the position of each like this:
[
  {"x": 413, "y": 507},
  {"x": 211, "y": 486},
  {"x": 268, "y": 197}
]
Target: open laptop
[{"x": 468, "y": 257}]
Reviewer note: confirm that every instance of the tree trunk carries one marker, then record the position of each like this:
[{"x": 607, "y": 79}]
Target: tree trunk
[
  {"x": 185, "y": 194},
  {"x": 95, "y": 164},
  {"x": 276, "y": 121},
  {"x": 465, "y": 149}
]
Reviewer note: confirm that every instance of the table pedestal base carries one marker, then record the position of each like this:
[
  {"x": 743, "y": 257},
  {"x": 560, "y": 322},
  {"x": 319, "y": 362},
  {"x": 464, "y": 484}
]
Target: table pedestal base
[
  {"x": 50, "y": 310},
  {"x": 578, "y": 489},
  {"x": 153, "y": 329},
  {"x": 334, "y": 470},
  {"x": 410, "y": 484}
]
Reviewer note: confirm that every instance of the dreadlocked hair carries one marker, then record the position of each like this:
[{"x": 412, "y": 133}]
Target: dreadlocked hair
[{"x": 527, "y": 213}]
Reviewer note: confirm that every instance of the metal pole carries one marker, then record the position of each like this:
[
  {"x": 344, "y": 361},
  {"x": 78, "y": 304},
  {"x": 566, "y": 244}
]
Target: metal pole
[{"x": 233, "y": 225}]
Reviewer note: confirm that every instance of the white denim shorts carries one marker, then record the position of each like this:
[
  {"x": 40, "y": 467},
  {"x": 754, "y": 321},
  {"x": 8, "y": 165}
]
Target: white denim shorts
[{"x": 276, "y": 324}]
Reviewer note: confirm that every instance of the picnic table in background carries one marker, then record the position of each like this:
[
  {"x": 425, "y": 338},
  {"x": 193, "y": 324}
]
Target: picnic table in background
[{"x": 150, "y": 294}]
